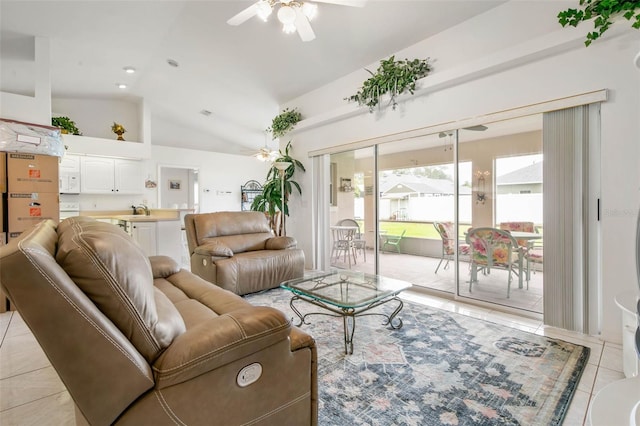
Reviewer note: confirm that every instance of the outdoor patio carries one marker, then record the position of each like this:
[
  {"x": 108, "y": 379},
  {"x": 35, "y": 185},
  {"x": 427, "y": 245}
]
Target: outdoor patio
[{"x": 420, "y": 271}]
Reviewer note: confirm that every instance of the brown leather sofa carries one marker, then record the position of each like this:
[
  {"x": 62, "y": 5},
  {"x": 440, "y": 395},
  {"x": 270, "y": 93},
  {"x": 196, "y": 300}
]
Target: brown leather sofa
[
  {"x": 139, "y": 341},
  {"x": 238, "y": 251}
]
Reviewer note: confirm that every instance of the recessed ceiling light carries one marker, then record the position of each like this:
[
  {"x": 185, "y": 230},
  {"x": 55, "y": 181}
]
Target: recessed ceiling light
[
  {"x": 129, "y": 70},
  {"x": 205, "y": 112},
  {"x": 121, "y": 85},
  {"x": 172, "y": 62}
]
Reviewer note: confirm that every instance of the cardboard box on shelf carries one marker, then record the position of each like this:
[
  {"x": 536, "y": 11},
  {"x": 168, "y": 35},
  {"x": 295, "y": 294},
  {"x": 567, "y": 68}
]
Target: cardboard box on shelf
[
  {"x": 27, "y": 209},
  {"x": 31, "y": 173},
  {"x": 3, "y": 172}
]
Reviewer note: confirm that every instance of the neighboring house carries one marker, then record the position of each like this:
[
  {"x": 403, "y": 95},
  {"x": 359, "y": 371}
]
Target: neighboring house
[{"x": 527, "y": 180}]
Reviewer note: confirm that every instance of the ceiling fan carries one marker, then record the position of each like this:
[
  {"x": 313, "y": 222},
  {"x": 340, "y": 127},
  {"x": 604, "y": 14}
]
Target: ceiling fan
[
  {"x": 294, "y": 15},
  {"x": 449, "y": 147},
  {"x": 478, "y": 128}
]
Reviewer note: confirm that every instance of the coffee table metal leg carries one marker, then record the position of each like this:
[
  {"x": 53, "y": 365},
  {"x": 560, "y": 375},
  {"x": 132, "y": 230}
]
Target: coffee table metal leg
[
  {"x": 349, "y": 328},
  {"x": 349, "y": 316}
]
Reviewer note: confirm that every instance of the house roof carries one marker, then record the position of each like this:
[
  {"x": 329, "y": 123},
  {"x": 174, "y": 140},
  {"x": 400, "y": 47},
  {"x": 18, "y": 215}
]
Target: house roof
[{"x": 528, "y": 174}]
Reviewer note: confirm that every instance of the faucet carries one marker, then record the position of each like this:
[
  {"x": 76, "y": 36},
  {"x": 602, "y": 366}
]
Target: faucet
[{"x": 141, "y": 207}]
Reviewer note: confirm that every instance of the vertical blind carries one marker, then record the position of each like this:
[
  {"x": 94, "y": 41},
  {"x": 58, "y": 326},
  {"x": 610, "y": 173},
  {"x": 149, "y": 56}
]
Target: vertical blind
[{"x": 568, "y": 221}]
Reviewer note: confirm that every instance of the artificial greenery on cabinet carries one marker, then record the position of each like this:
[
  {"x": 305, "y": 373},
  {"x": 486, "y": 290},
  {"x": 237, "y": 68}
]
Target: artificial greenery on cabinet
[
  {"x": 66, "y": 125},
  {"x": 392, "y": 77},
  {"x": 603, "y": 12}
]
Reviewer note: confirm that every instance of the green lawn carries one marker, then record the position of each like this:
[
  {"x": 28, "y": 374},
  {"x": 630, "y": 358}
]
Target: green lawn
[{"x": 415, "y": 229}]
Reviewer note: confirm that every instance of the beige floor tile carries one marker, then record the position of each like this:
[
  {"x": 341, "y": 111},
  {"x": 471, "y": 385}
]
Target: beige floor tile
[
  {"x": 17, "y": 326},
  {"x": 588, "y": 378},
  {"x": 53, "y": 410},
  {"x": 611, "y": 358},
  {"x": 604, "y": 377},
  {"x": 5, "y": 319},
  {"x": 23, "y": 388},
  {"x": 21, "y": 354},
  {"x": 576, "y": 415}
]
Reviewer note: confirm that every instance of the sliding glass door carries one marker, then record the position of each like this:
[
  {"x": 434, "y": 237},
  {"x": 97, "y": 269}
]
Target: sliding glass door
[{"x": 503, "y": 233}]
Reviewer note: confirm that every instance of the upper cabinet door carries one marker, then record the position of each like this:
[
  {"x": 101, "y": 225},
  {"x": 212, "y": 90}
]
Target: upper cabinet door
[
  {"x": 100, "y": 175},
  {"x": 97, "y": 175},
  {"x": 129, "y": 177}
]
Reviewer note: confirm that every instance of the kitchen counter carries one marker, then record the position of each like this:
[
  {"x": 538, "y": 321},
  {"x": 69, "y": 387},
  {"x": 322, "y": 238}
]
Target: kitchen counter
[{"x": 157, "y": 215}]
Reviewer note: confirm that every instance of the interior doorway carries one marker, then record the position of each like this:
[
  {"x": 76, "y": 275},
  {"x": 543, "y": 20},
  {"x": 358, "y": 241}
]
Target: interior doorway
[{"x": 178, "y": 188}]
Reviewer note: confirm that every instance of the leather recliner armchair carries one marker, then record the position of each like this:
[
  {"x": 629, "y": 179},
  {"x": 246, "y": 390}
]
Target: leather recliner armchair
[
  {"x": 238, "y": 251},
  {"x": 137, "y": 340}
]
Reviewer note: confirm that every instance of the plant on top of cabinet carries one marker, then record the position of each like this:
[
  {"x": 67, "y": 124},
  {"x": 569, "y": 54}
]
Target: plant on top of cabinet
[
  {"x": 603, "y": 11},
  {"x": 392, "y": 77},
  {"x": 284, "y": 122},
  {"x": 66, "y": 125},
  {"x": 119, "y": 130}
]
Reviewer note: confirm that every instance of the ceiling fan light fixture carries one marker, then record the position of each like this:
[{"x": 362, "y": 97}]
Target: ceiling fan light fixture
[
  {"x": 288, "y": 28},
  {"x": 310, "y": 10},
  {"x": 287, "y": 16},
  {"x": 263, "y": 10}
]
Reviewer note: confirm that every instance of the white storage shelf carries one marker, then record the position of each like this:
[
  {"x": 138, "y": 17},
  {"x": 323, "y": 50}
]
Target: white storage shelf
[{"x": 106, "y": 147}]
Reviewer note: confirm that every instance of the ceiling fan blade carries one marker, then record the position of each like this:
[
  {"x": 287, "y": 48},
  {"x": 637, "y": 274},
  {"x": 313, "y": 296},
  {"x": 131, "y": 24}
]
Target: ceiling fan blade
[
  {"x": 303, "y": 26},
  {"x": 478, "y": 128},
  {"x": 352, "y": 3},
  {"x": 244, "y": 16}
]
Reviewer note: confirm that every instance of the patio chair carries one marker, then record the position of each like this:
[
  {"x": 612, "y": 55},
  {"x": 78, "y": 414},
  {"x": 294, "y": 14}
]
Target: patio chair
[
  {"x": 358, "y": 242},
  {"x": 392, "y": 241},
  {"x": 494, "y": 248},
  {"x": 527, "y": 245},
  {"x": 448, "y": 235},
  {"x": 519, "y": 227}
]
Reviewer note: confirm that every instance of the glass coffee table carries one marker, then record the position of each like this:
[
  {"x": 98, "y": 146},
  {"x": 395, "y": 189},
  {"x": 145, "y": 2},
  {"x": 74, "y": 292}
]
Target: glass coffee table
[{"x": 347, "y": 294}]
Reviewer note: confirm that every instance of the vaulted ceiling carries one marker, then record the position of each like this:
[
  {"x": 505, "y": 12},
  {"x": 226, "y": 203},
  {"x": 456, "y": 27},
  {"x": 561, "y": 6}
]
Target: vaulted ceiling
[{"x": 241, "y": 74}]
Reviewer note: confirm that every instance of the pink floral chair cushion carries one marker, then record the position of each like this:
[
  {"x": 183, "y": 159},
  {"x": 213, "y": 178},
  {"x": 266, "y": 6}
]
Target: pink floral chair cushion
[
  {"x": 518, "y": 227},
  {"x": 494, "y": 248},
  {"x": 448, "y": 234}
]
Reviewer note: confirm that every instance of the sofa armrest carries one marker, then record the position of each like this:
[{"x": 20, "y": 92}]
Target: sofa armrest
[
  {"x": 218, "y": 341},
  {"x": 163, "y": 266},
  {"x": 281, "y": 243},
  {"x": 215, "y": 249}
]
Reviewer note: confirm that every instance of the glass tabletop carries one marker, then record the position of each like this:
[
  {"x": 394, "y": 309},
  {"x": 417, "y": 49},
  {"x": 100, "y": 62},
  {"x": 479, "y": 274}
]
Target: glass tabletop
[{"x": 345, "y": 289}]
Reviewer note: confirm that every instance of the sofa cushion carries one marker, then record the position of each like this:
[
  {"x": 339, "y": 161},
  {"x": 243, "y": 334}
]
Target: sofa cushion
[
  {"x": 220, "y": 224},
  {"x": 258, "y": 270},
  {"x": 113, "y": 271},
  {"x": 214, "y": 248},
  {"x": 281, "y": 243}
]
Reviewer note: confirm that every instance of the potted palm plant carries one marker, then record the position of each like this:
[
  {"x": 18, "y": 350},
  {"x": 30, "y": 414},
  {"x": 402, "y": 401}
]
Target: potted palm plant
[{"x": 272, "y": 199}]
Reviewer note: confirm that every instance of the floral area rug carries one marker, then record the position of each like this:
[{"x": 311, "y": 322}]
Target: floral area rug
[{"x": 439, "y": 368}]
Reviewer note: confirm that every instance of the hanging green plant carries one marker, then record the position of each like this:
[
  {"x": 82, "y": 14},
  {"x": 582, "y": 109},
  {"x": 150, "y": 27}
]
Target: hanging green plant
[
  {"x": 603, "y": 11},
  {"x": 284, "y": 122},
  {"x": 66, "y": 125},
  {"x": 392, "y": 77}
]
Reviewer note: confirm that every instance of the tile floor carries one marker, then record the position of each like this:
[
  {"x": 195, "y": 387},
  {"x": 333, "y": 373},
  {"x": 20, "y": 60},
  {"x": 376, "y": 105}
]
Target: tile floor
[{"x": 32, "y": 394}]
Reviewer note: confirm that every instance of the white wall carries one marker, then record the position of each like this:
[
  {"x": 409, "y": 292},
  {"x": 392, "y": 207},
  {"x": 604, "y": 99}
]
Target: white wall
[
  {"x": 94, "y": 117},
  {"x": 220, "y": 175},
  {"x": 492, "y": 63},
  {"x": 32, "y": 109}
]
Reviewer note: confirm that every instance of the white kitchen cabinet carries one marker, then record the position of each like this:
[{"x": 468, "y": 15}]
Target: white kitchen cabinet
[
  {"x": 145, "y": 234},
  {"x": 69, "y": 174},
  {"x": 157, "y": 238},
  {"x": 101, "y": 175},
  {"x": 169, "y": 234}
]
